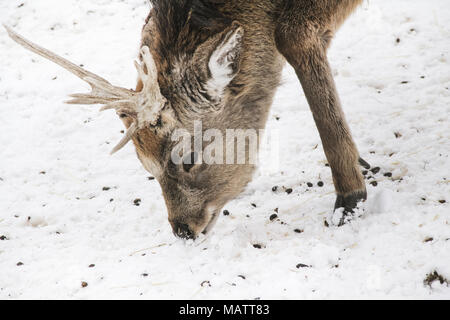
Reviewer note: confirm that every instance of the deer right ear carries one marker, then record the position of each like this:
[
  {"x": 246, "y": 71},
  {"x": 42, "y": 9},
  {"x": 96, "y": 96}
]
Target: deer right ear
[{"x": 224, "y": 62}]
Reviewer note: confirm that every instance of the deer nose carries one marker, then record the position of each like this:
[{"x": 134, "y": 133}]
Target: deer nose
[{"x": 183, "y": 231}]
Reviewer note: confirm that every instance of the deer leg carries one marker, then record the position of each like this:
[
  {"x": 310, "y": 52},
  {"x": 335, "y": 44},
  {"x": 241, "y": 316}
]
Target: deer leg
[{"x": 306, "y": 52}]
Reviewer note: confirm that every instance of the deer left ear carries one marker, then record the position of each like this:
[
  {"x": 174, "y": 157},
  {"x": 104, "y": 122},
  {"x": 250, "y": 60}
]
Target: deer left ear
[{"x": 225, "y": 60}]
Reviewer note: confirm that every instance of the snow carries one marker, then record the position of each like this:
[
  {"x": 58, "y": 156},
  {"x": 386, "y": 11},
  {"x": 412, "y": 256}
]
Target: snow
[{"x": 391, "y": 65}]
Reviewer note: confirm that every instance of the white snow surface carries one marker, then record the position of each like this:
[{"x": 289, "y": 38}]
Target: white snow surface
[{"x": 392, "y": 69}]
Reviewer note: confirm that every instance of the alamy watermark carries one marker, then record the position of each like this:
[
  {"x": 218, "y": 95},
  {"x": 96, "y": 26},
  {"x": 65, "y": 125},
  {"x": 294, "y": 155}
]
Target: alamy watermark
[{"x": 258, "y": 147}]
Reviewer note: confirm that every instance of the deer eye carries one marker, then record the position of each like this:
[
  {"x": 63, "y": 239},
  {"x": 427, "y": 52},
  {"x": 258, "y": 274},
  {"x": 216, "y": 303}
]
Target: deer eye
[{"x": 189, "y": 161}]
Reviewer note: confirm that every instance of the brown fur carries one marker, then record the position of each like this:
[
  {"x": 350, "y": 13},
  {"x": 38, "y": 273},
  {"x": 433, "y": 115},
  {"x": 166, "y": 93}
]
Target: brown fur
[
  {"x": 182, "y": 34},
  {"x": 303, "y": 37}
]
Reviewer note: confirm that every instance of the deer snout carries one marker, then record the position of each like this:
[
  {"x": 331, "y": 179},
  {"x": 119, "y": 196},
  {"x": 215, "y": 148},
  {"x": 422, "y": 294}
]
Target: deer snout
[{"x": 183, "y": 231}]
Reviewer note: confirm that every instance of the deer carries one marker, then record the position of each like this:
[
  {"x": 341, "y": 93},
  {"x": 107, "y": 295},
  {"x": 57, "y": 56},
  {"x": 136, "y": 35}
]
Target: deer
[{"x": 220, "y": 62}]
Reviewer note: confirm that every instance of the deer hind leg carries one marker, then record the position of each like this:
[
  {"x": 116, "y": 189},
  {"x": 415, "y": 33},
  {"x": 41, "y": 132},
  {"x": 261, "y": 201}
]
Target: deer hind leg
[{"x": 304, "y": 47}]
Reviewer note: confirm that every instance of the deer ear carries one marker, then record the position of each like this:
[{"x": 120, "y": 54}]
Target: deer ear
[{"x": 224, "y": 61}]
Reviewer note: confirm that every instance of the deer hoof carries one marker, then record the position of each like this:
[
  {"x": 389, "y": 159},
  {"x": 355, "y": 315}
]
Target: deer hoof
[{"x": 344, "y": 208}]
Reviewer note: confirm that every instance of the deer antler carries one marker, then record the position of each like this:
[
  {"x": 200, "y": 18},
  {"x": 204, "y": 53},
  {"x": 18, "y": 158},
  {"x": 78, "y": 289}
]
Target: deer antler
[{"x": 144, "y": 107}]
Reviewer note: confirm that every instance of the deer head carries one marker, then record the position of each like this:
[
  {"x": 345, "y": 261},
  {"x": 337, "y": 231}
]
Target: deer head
[{"x": 173, "y": 93}]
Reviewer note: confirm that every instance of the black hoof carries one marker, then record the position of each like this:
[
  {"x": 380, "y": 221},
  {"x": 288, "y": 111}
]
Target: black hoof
[{"x": 349, "y": 203}]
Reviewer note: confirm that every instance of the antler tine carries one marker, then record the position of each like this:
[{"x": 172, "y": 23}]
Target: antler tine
[
  {"x": 66, "y": 64},
  {"x": 140, "y": 70},
  {"x": 126, "y": 138},
  {"x": 143, "y": 107},
  {"x": 102, "y": 91},
  {"x": 100, "y": 86},
  {"x": 117, "y": 105},
  {"x": 149, "y": 79},
  {"x": 149, "y": 61},
  {"x": 86, "y": 98}
]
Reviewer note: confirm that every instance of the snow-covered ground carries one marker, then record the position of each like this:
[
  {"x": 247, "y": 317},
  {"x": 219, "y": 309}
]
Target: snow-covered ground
[{"x": 61, "y": 226}]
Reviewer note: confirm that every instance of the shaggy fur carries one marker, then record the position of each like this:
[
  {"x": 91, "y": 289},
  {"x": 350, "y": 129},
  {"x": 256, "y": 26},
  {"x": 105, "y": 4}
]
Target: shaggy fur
[{"x": 183, "y": 35}]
